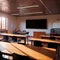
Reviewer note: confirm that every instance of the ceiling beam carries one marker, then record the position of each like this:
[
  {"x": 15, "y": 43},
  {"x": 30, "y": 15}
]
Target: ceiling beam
[{"x": 45, "y": 6}]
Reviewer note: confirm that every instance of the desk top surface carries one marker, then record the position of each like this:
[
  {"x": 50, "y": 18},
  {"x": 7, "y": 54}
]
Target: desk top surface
[
  {"x": 9, "y": 34},
  {"x": 39, "y": 53},
  {"x": 49, "y": 36},
  {"x": 45, "y": 40}
]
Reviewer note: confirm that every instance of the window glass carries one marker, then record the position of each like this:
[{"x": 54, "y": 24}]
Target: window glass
[{"x": 3, "y": 23}]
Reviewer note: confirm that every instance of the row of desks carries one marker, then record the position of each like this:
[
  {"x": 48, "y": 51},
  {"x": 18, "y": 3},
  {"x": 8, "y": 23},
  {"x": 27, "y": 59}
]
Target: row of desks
[
  {"x": 38, "y": 53},
  {"x": 31, "y": 39},
  {"x": 25, "y": 37},
  {"x": 42, "y": 54}
]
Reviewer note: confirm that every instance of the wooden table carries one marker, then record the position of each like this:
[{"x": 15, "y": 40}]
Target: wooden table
[
  {"x": 57, "y": 37},
  {"x": 43, "y": 40},
  {"x": 38, "y": 53},
  {"x": 15, "y": 35},
  {"x": 48, "y": 36}
]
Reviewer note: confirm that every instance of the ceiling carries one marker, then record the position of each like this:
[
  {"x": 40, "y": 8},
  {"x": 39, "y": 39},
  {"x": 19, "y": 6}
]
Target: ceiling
[{"x": 30, "y": 7}]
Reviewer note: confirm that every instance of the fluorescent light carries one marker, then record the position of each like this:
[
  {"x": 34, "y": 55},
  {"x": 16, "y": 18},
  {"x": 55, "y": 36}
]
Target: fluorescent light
[
  {"x": 14, "y": 14},
  {"x": 27, "y": 6},
  {"x": 28, "y": 13},
  {"x": 33, "y": 13}
]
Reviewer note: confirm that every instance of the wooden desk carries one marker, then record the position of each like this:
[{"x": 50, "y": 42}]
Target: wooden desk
[
  {"x": 8, "y": 48},
  {"x": 57, "y": 37},
  {"x": 44, "y": 40},
  {"x": 15, "y": 35},
  {"x": 37, "y": 53},
  {"x": 48, "y": 36}
]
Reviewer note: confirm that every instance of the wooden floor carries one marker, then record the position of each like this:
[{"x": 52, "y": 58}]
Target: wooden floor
[{"x": 38, "y": 53}]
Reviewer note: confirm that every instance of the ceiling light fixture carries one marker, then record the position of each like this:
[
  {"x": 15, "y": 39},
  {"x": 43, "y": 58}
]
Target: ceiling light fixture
[
  {"x": 33, "y": 13},
  {"x": 14, "y": 14},
  {"x": 27, "y": 6}
]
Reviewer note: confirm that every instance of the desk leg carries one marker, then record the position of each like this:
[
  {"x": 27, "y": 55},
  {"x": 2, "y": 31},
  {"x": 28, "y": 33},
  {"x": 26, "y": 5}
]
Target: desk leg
[
  {"x": 24, "y": 40},
  {"x": 32, "y": 43},
  {"x": 57, "y": 57},
  {"x": 27, "y": 40}
]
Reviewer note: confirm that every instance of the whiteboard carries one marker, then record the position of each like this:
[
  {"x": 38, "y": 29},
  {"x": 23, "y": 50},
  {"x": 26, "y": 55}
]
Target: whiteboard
[{"x": 56, "y": 25}]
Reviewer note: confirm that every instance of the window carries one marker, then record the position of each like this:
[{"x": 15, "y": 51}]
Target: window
[{"x": 3, "y": 23}]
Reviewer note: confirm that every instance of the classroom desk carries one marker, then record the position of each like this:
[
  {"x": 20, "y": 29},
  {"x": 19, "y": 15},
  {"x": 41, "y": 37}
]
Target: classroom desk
[
  {"x": 43, "y": 40},
  {"x": 38, "y": 53},
  {"x": 15, "y": 35},
  {"x": 57, "y": 37},
  {"x": 48, "y": 36}
]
